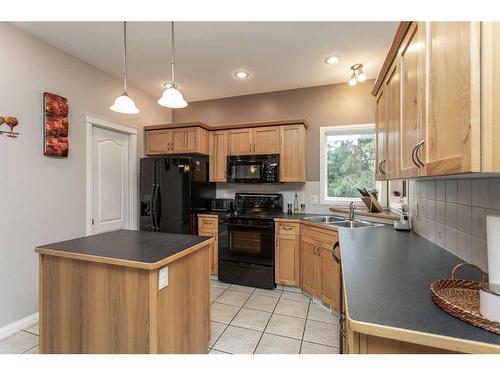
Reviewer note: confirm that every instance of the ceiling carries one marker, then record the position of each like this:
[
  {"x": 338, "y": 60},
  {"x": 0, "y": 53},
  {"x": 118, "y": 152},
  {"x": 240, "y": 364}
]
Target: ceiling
[{"x": 278, "y": 55}]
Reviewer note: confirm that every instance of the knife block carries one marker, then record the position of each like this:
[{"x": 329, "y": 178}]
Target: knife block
[{"x": 372, "y": 204}]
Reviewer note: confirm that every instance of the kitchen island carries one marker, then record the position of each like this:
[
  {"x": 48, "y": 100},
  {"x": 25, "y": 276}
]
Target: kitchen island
[{"x": 125, "y": 292}]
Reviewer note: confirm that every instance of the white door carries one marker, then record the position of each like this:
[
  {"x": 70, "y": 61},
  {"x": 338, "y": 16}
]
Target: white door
[{"x": 110, "y": 180}]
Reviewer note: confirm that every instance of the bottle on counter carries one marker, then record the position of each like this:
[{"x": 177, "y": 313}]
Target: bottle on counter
[
  {"x": 289, "y": 211},
  {"x": 296, "y": 205}
]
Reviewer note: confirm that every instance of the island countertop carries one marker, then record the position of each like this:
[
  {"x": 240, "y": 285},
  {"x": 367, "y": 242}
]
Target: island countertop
[
  {"x": 387, "y": 276},
  {"x": 132, "y": 248}
]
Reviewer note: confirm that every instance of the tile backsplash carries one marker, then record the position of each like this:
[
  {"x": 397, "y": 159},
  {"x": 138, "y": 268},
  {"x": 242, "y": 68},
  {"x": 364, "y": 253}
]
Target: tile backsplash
[
  {"x": 307, "y": 193},
  {"x": 452, "y": 213}
]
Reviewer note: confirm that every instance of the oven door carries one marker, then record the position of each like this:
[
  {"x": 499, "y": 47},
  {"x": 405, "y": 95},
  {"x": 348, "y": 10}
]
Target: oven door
[{"x": 248, "y": 241}]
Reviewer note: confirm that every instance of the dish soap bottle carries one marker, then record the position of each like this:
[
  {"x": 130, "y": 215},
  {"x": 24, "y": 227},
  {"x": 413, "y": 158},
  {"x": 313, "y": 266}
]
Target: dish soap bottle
[{"x": 296, "y": 205}]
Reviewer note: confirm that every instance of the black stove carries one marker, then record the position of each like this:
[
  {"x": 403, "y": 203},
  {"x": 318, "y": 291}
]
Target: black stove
[{"x": 246, "y": 240}]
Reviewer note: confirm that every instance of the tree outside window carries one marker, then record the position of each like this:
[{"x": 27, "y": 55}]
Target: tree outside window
[{"x": 348, "y": 161}]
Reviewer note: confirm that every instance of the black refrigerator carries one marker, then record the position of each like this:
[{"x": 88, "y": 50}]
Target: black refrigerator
[{"x": 172, "y": 190}]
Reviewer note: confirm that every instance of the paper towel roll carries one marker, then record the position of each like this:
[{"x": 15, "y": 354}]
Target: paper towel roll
[{"x": 493, "y": 238}]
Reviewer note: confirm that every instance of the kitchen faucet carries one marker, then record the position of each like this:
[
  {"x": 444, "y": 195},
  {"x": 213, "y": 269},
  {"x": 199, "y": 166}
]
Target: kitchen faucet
[{"x": 351, "y": 211}]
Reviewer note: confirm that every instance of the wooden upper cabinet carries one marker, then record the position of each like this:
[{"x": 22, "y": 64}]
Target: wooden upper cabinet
[
  {"x": 490, "y": 57},
  {"x": 452, "y": 142},
  {"x": 393, "y": 113},
  {"x": 412, "y": 68},
  {"x": 218, "y": 156},
  {"x": 266, "y": 140},
  {"x": 293, "y": 153},
  {"x": 240, "y": 141},
  {"x": 380, "y": 131},
  {"x": 183, "y": 140},
  {"x": 158, "y": 142},
  {"x": 176, "y": 141}
]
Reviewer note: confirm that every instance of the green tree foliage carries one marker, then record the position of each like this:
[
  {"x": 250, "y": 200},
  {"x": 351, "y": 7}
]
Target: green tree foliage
[{"x": 351, "y": 165}]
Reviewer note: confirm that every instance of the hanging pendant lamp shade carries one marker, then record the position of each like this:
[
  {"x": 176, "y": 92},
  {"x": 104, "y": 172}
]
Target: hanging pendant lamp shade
[
  {"x": 172, "y": 97},
  {"x": 123, "y": 103}
]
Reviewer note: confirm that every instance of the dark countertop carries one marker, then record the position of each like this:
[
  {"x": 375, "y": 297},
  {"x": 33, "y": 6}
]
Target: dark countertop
[
  {"x": 128, "y": 245},
  {"x": 280, "y": 215},
  {"x": 387, "y": 276}
]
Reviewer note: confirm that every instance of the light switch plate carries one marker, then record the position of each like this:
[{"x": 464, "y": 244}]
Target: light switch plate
[
  {"x": 313, "y": 199},
  {"x": 163, "y": 278}
]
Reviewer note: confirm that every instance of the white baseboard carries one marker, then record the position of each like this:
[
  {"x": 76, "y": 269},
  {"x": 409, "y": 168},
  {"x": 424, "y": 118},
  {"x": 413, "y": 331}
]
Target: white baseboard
[{"x": 16, "y": 326}]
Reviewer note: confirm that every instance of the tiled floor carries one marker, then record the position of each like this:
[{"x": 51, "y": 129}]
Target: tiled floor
[
  {"x": 23, "y": 342},
  {"x": 249, "y": 320},
  {"x": 246, "y": 321}
]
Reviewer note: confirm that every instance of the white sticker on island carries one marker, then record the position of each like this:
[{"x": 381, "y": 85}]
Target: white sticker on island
[{"x": 163, "y": 278}]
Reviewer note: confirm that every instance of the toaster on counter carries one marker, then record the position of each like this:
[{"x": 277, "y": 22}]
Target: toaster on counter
[{"x": 222, "y": 204}]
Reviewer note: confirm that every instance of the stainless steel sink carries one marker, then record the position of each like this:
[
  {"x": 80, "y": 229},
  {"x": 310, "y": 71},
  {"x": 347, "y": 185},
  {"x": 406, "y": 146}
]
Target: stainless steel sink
[
  {"x": 324, "y": 219},
  {"x": 356, "y": 224},
  {"x": 337, "y": 221}
]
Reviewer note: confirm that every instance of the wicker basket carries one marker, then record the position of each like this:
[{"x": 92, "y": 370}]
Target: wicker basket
[{"x": 460, "y": 298}]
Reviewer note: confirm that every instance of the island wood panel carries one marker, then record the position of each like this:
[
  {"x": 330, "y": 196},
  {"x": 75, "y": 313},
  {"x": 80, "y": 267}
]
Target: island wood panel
[
  {"x": 490, "y": 97},
  {"x": 184, "y": 306},
  {"x": 411, "y": 62},
  {"x": 240, "y": 142},
  {"x": 380, "y": 134},
  {"x": 293, "y": 153},
  {"x": 266, "y": 140},
  {"x": 90, "y": 307},
  {"x": 218, "y": 152},
  {"x": 158, "y": 142},
  {"x": 453, "y": 142}
]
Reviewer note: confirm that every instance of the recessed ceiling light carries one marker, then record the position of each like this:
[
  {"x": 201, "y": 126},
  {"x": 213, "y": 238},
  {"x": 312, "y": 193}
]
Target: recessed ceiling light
[
  {"x": 241, "y": 74},
  {"x": 332, "y": 59}
]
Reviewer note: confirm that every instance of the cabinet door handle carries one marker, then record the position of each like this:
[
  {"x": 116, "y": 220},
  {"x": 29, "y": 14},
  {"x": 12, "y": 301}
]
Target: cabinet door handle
[
  {"x": 416, "y": 152},
  {"x": 413, "y": 155},
  {"x": 206, "y": 222},
  {"x": 335, "y": 257},
  {"x": 382, "y": 169},
  {"x": 287, "y": 228}
]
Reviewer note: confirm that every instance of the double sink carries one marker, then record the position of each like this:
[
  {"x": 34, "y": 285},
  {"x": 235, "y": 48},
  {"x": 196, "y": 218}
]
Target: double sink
[{"x": 338, "y": 221}]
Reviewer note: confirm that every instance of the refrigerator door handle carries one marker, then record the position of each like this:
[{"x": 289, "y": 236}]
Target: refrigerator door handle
[
  {"x": 158, "y": 207},
  {"x": 153, "y": 207}
]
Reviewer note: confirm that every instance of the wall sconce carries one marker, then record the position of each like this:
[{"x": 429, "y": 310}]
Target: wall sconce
[{"x": 11, "y": 122}]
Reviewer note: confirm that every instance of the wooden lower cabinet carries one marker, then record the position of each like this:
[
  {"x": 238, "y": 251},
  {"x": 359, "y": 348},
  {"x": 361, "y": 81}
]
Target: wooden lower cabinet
[
  {"x": 308, "y": 265},
  {"x": 358, "y": 343},
  {"x": 208, "y": 225},
  {"x": 287, "y": 254},
  {"x": 319, "y": 272}
]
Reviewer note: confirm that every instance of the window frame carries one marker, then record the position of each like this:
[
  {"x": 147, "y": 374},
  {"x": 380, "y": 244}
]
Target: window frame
[{"x": 340, "y": 201}]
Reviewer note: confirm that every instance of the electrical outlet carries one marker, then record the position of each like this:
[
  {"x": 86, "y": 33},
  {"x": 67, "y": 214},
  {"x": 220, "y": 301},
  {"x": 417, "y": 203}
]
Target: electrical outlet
[
  {"x": 313, "y": 199},
  {"x": 163, "y": 278}
]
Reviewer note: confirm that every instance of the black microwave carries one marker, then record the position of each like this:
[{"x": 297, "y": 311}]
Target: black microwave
[{"x": 253, "y": 169}]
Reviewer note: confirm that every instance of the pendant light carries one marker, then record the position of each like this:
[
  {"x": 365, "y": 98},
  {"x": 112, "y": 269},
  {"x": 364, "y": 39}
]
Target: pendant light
[
  {"x": 123, "y": 103},
  {"x": 171, "y": 97}
]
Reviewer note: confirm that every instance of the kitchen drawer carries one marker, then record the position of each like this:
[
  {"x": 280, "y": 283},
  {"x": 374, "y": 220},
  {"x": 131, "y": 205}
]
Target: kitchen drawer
[
  {"x": 287, "y": 228},
  {"x": 326, "y": 236},
  {"x": 208, "y": 222}
]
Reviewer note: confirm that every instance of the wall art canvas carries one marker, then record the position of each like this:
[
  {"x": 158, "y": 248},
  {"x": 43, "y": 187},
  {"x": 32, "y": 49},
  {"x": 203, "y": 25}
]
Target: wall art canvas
[{"x": 55, "y": 130}]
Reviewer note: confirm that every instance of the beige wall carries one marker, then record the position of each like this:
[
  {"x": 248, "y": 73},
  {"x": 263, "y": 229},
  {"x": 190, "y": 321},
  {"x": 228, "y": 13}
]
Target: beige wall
[
  {"x": 42, "y": 199},
  {"x": 329, "y": 105}
]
